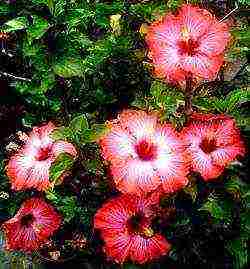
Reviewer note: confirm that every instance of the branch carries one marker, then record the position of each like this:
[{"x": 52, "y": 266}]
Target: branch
[
  {"x": 13, "y": 76},
  {"x": 231, "y": 12}
]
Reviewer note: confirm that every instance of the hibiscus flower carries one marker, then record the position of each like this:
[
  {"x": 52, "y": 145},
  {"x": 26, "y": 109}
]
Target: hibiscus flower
[
  {"x": 213, "y": 141},
  {"x": 190, "y": 44},
  {"x": 144, "y": 154},
  {"x": 125, "y": 226},
  {"x": 29, "y": 167},
  {"x": 31, "y": 227}
]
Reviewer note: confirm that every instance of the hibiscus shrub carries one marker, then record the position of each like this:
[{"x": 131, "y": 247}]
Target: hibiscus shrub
[{"x": 124, "y": 134}]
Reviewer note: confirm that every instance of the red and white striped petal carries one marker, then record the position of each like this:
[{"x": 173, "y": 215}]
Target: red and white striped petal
[
  {"x": 31, "y": 236},
  {"x": 195, "y": 21},
  {"x": 139, "y": 124},
  {"x": 216, "y": 40},
  {"x": 135, "y": 176},
  {"x": 144, "y": 250},
  {"x": 118, "y": 144},
  {"x": 202, "y": 66}
]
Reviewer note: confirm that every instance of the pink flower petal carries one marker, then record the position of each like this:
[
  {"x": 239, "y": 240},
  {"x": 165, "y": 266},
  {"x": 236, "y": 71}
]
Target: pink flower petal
[
  {"x": 118, "y": 246},
  {"x": 139, "y": 124},
  {"x": 202, "y": 66},
  {"x": 195, "y": 21},
  {"x": 114, "y": 214},
  {"x": 117, "y": 144},
  {"x": 29, "y": 168},
  {"x": 63, "y": 147},
  {"x": 202, "y": 163},
  {"x": 147, "y": 249},
  {"x": 29, "y": 237},
  {"x": 223, "y": 156},
  {"x": 122, "y": 243},
  {"x": 165, "y": 32},
  {"x": 191, "y": 42},
  {"x": 135, "y": 176},
  {"x": 215, "y": 41},
  {"x": 171, "y": 163}
]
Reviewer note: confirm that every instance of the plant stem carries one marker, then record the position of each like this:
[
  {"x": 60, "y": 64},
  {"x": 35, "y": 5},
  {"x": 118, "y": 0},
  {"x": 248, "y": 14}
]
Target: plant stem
[{"x": 188, "y": 96}]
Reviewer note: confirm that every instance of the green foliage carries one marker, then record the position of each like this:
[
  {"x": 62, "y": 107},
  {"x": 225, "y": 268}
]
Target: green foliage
[
  {"x": 4, "y": 9},
  {"x": 79, "y": 132},
  {"x": 239, "y": 250},
  {"x": 155, "y": 10},
  {"x": 19, "y": 23},
  {"x": 230, "y": 104},
  {"x": 79, "y": 124},
  {"x": 37, "y": 29},
  {"x": 244, "y": 2},
  {"x": 69, "y": 67},
  {"x": 164, "y": 99},
  {"x": 81, "y": 63},
  {"x": 192, "y": 190},
  {"x": 217, "y": 208},
  {"x": 67, "y": 205},
  {"x": 62, "y": 164}
]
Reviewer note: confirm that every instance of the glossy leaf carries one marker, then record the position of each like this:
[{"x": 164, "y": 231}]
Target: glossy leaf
[
  {"x": 62, "y": 133},
  {"x": 37, "y": 29},
  {"x": 69, "y": 67},
  {"x": 79, "y": 124},
  {"x": 62, "y": 164},
  {"x": 19, "y": 23}
]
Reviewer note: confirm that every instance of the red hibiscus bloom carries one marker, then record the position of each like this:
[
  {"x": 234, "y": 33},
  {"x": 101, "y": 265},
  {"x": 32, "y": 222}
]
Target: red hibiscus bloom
[
  {"x": 29, "y": 167},
  {"x": 190, "y": 43},
  {"x": 144, "y": 154},
  {"x": 31, "y": 227},
  {"x": 124, "y": 223},
  {"x": 213, "y": 141}
]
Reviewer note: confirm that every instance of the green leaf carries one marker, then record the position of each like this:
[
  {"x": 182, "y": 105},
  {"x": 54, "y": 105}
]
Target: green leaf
[
  {"x": 63, "y": 163},
  {"x": 79, "y": 16},
  {"x": 37, "y": 29},
  {"x": 4, "y": 9},
  {"x": 15, "y": 24},
  {"x": 48, "y": 82},
  {"x": 79, "y": 40},
  {"x": 165, "y": 98},
  {"x": 31, "y": 50},
  {"x": 236, "y": 97},
  {"x": 79, "y": 124},
  {"x": 217, "y": 209},
  {"x": 239, "y": 250},
  {"x": 52, "y": 196},
  {"x": 68, "y": 208},
  {"x": 103, "y": 12},
  {"x": 39, "y": 2},
  {"x": 62, "y": 133},
  {"x": 57, "y": 7},
  {"x": 154, "y": 10},
  {"x": 234, "y": 186},
  {"x": 69, "y": 67},
  {"x": 95, "y": 133}
]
